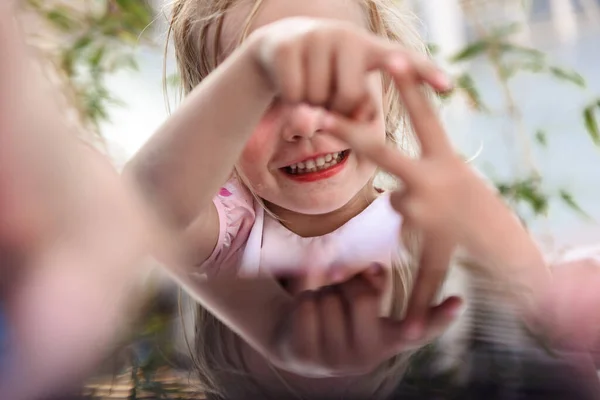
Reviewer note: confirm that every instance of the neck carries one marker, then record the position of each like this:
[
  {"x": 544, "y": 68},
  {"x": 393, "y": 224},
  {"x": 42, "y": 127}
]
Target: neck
[{"x": 306, "y": 225}]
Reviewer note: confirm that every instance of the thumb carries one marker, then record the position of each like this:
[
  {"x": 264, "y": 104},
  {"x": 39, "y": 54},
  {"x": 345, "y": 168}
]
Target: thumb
[{"x": 394, "y": 333}]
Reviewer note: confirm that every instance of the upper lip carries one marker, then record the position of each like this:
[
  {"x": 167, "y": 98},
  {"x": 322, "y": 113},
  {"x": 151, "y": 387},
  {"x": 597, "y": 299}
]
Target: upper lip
[{"x": 311, "y": 157}]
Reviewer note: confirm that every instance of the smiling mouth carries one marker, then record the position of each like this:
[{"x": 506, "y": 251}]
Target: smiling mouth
[{"x": 321, "y": 163}]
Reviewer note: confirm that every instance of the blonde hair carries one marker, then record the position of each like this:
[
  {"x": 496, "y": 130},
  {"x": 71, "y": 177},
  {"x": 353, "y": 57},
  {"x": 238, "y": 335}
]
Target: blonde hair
[{"x": 197, "y": 56}]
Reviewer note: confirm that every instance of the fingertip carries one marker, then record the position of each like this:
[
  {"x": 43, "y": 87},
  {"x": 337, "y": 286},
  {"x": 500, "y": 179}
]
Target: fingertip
[
  {"x": 398, "y": 64},
  {"x": 442, "y": 83},
  {"x": 375, "y": 274},
  {"x": 451, "y": 308}
]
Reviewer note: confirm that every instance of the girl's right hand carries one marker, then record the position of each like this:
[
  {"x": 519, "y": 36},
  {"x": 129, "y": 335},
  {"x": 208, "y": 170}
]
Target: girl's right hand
[
  {"x": 326, "y": 63},
  {"x": 450, "y": 205}
]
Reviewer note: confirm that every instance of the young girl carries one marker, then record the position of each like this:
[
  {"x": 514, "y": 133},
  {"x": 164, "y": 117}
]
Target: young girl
[
  {"x": 298, "y": 201},
  {"x": 269, "y": 169}
]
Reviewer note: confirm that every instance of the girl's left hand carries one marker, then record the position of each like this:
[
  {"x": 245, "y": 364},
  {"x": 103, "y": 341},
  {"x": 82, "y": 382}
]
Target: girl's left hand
[
  {"x": 337, "y": 330},
  {"x": 446, "y": 201}
]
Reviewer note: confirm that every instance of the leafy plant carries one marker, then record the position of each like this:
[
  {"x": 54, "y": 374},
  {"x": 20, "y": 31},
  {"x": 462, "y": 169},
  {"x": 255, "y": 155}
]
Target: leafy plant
[
  {"x": 96, "y": 39},
  {"x": 509, "y": 60}
]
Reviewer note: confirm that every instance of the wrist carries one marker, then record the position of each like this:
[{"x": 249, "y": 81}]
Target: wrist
[{"x": 251, "y": 49}]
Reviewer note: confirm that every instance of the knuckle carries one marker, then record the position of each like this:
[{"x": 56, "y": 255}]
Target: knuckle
[
  {"x": 318, "y": 35},
  {"x": 350, "y": 96},
  {"x": 318, "y": 94},
  {"x": 361, "y": 299},
  {"x": 331, "y": 302},
  {"x": 291, "y": 92},
  {"x": 284, "y": 50},
  {"x": 305, "y": 309}
]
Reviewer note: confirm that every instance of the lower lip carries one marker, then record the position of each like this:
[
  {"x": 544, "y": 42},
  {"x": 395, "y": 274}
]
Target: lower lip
[{"x": 320, "y": 175}]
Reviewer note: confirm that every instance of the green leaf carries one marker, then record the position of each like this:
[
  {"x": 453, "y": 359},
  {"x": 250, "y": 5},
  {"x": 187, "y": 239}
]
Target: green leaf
[
  {"x": 535, "y": 65},
  {"x": 433, "y": 48},
  {"x": 96, "y": 57},
  {"x": 570, "y": 76},
  {"x": 527, "y": 191},
  {"x": 466, "y": 83},
  {"x": 507, "y": 30},
  {"x": 471, "y": 51},
  {"x": 591, "y": 123},
  {"x": 82, "y": 42},
  {"x": 136, "y": 13},
  {"x": 511, "y": 48},
  {"x": 540, "y": 137},
  {"x": 530, "y": 194},
  {"x": 60, "y": 18},
  {"x": 569, "y": 201},
  {"x": 174, "y": 80},
  {"x": 68, "y": 62}
]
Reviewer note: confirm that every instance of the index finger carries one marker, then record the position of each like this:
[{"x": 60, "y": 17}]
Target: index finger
[
  {"x": 386, "y": 156},
  {"x": 433, "y": 264},
  {"x": 425, "y": 121}
]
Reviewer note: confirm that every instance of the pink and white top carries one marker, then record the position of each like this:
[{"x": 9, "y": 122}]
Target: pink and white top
[{"x": 255, "y": 243}]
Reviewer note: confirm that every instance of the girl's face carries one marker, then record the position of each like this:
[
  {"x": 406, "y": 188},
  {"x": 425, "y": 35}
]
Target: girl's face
[{"x": 290, "y": 161}]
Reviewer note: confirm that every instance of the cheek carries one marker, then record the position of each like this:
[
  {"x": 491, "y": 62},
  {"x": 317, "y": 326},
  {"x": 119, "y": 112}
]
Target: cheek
[{"x": 260, "y": 147}]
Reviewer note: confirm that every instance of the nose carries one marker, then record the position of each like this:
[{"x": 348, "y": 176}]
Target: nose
[{"x": 303, "y": 122}]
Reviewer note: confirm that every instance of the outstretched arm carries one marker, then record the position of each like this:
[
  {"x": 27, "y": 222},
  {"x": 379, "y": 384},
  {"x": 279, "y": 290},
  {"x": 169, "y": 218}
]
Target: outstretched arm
[{"x": 72, "y": 236}]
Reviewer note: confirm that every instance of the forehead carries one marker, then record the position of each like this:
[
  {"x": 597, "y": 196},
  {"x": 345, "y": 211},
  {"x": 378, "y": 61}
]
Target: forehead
[{"x": 274, "y": 10}]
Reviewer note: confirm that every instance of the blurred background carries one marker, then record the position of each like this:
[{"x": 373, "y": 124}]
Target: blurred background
[{"x": 526, "y": 109}]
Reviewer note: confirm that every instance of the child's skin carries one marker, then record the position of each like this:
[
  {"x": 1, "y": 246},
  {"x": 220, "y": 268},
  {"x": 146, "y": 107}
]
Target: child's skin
[{"x": 71, "y": 237}]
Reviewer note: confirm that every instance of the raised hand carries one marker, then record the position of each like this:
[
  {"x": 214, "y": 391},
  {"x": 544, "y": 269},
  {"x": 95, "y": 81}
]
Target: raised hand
[
  {"x": 326, "y": 63},
  {"x": 447, "y": 202}
]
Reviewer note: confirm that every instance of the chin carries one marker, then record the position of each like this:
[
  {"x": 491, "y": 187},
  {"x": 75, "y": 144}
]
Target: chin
[{"x": 317, "y": 205}]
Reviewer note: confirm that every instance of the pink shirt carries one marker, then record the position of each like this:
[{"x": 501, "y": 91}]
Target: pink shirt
[{"x": 255, "y": 242}]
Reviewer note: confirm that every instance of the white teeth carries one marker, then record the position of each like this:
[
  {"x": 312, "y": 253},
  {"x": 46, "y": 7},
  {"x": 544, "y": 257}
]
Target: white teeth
[{"x": 316, "y": 164}]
